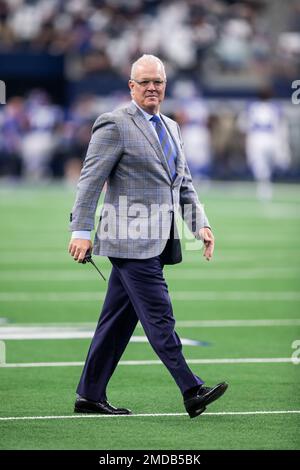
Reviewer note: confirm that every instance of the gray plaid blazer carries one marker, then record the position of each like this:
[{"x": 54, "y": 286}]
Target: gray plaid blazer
[{"x": 141, "y": 196}]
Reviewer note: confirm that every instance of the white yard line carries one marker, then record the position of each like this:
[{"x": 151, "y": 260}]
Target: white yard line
[
  {"x": 228, "y": 254},
  {"x": 237, "y": 323},
  {"x": 78, "y": 331},
  {"x": 37, "y": 333},
  {"x": 46, "y": 275},
  {"x": 248, "y": 360},
  {"x": 237, "y": 274},
  {"x": 90, "y": 326},
  {"x": 60, "y": 256},
  {"x": 145, "y": 415},
  {"x": 235, "y": 296}
]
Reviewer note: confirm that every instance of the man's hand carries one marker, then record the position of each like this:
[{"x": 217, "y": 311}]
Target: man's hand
[
  {"x": 209, "y": 242},
  {"x": 78, "y": 248}
]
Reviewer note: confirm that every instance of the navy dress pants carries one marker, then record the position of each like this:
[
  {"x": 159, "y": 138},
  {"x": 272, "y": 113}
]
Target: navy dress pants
[{"x": 136, "y": 291}]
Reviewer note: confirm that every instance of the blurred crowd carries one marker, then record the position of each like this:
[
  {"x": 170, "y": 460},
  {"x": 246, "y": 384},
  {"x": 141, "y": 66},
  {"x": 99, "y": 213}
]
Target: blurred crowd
[
  {"x": 205, "y": 44},
  {"x": 250, "y": 38},
  {"x": 39, "y": 139},
  {"x": 225, "y": 140}
]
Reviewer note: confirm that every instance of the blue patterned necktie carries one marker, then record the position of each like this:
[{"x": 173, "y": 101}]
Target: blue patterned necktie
[{"x": 168, "y": 148}]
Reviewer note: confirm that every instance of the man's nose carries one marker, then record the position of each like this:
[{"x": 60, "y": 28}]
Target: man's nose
[{"x": 151, "y": 86}]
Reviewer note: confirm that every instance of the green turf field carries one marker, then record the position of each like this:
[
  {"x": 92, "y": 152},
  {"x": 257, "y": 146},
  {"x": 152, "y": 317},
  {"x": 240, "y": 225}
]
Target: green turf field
[{"x": 244, "y": 306}]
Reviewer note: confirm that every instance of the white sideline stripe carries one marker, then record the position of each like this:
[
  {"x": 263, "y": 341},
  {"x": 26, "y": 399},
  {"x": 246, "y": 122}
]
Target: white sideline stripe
[
  {"x": 249, "y": 360},
  {"x": 44, "y": 275},
  {"x": 84, "y": 416},
  {"x": 179, "y": 295}
]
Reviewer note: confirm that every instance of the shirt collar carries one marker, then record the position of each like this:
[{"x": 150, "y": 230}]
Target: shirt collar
[{"x": 146, "y": 115}]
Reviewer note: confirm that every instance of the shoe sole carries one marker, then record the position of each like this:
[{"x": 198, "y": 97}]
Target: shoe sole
[
  {"x": 197, "y": 412},
  {"x": 214, "y": 396},
  {"x": 94, "y": 412},
  {"x": 217, "y": 394}
]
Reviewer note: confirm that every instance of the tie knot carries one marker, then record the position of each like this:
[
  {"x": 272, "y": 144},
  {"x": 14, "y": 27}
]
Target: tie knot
[{"x": 155, "y": 118}]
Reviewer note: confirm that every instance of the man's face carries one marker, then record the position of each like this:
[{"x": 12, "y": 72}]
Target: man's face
[{"x": 150, "y": 91}]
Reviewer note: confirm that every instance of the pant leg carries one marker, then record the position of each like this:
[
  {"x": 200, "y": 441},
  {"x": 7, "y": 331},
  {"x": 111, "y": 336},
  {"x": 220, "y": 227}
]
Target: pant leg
[
  {"x": 115, "y": 327},
  {"x": 148, "y": 293}
]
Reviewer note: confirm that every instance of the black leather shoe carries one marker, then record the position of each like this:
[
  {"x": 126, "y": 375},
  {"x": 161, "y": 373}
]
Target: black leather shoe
[
  {"x": 196, "y": 404},
  {"x": 82, "y": 405}
]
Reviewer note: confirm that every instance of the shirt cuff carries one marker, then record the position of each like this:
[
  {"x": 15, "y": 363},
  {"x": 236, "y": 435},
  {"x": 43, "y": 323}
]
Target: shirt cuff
[{"x": 83, "y": 234}]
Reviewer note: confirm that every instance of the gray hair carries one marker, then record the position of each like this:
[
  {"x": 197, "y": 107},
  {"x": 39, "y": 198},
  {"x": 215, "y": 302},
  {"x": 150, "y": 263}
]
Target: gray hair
[{"x": 146, "y": 58}]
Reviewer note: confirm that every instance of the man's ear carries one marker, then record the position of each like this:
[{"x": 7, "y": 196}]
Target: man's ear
[{"x": 130, "y": 85}]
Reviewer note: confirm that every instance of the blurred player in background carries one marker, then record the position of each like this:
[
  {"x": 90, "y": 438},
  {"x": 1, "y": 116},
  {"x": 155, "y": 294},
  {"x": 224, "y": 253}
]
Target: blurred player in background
[
  {"x": 193, "y": 118},
  {"x": 267, "y": 141}
]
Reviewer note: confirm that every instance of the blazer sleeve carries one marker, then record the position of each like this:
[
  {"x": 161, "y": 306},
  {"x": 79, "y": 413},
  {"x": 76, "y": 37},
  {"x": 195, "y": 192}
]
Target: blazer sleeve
[
  {"x": 193, "y": 211},
  {"x": 104, "y": 151}
]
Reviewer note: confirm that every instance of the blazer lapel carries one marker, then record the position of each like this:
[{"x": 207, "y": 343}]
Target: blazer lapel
[{"x": 142, "y": 124}]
